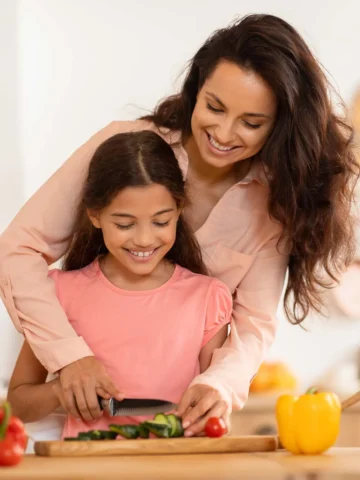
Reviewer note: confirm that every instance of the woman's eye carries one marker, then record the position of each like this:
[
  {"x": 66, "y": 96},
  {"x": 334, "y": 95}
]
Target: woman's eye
[
  {"x": 123, "y": 227},
  {"x": 213, "y": 109},
  {"x": 163, "y": 224},
  {"x": 251, "y": 125}
]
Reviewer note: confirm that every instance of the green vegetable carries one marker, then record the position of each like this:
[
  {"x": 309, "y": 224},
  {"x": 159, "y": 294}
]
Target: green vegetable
[
  {"x": 162, "y": 418},
  {"x": 143, "y": 431},
  {"x": 163, "y": 426},
  {"x": 126, "y": 431},
  {"x": 176, "y": 425},
  {"x": 159, "y": 429}
]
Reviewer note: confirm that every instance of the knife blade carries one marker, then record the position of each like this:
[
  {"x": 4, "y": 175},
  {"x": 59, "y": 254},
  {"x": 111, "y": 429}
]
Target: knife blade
[{"x": 135, "y": 406}]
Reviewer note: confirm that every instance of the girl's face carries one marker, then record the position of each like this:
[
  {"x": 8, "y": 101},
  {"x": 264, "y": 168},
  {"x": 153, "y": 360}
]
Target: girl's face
[
  {"x": 139, "y": 227},
  {"x": 233, "y": 116}
]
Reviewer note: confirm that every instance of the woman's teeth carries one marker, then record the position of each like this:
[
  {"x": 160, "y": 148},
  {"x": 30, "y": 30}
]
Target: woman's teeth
[
  {"x": 218, "y": 146},
  {"x": 142, "y": 254}
]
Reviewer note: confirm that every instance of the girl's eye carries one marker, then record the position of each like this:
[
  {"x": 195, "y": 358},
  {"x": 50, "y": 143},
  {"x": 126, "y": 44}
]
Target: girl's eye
[
  {"x": 251, "y": 125},
  {"x": 213, "y": 109},
  {"x": 164, "y": 224},
  {"x": 123, "y": 227}
]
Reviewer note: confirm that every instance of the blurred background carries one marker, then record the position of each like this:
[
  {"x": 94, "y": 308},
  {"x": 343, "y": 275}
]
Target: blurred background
[{"x": 69, "y": 67}]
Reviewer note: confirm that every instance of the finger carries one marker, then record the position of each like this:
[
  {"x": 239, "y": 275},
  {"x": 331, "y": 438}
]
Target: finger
[
  {"x": 109, "y": 387},
  {"x": 92, "y": 401},
  {"x": 186, "y": 402},
  {"x": 218, "y": 410},
  {"x": 199, "y": 410},
  {"x": 102, "y": 393},
  {"x": 69, "y": 402},
  {"x": 81, "y": 403}
]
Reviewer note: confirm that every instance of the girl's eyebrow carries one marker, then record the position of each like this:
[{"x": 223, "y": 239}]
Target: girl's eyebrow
[{"x": 128, "y": 215}]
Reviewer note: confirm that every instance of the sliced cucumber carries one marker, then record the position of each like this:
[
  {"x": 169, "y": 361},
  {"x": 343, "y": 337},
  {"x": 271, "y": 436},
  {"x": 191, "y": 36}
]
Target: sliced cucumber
[
  {"x": 126, "y": 431},
  {"x": 162, "y": 418},
  {"x": 108, "y": 435},
  {"x": 176, "y": 425},
  {"x": 143, "y": 431},
  {"x": 158, "y": 428}
]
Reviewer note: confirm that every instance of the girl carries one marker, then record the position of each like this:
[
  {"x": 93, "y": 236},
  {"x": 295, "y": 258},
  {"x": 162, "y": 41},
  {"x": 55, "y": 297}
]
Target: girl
[
  {"x": 270, "y": 172},
  {"x": 133, "y": 285}
]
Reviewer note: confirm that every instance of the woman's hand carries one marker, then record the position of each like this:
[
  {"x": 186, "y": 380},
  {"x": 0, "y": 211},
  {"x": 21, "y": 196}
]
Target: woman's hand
[
  {"x": 80, "y": 384},
  {"x": 198, "y": 404}
]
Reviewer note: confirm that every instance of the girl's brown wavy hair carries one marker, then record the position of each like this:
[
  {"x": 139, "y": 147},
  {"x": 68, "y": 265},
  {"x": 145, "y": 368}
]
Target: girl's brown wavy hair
[
  {"x": 134, "y": 159},
  {"x": 308, "y": 157}
]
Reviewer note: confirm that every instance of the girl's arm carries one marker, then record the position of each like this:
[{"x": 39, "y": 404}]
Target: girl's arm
[
  {"x": 207, "y": 351},
  {"x": 30, "y": 397}
]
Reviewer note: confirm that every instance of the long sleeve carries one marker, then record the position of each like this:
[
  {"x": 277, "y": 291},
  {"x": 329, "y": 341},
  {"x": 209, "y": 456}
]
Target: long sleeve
[
  {"x": 36, "y": 238},
  {"x": 253, "y": 327}
]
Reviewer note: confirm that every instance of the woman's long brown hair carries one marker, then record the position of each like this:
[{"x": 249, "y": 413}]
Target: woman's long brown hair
[
  {"x": 308, "y": 157},
  {"x": 130, "y": 160}
]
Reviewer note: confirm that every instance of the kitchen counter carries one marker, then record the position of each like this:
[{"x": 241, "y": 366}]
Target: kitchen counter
[{"x": 336, "y": 464}]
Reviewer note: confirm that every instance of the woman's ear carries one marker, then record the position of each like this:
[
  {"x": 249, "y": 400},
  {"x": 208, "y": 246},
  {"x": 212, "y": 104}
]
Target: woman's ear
[{"x": 94, "y": 218}]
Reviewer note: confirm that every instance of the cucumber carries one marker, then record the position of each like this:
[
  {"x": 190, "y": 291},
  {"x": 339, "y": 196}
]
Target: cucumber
[
  {"x": 126, "y": 431},
  {"x": 107, "y": 435},
  {"x": 162, "y": 418},
  {"x": 159, "y": 429},
  {"x": 176, "y": 425},
  {"x": 143, "y": 431}
]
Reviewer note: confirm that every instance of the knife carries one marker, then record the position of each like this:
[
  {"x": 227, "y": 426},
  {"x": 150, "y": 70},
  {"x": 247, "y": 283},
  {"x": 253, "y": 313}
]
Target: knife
[{"x": 135, "y": 406}]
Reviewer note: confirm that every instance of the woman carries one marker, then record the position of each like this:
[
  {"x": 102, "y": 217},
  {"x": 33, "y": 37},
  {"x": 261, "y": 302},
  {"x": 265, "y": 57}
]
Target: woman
[{"x": 270, "y": 173}]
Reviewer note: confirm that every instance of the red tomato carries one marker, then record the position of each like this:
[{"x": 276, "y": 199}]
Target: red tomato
[
  {"x": 11, "y": 453},
  {"x": 215, "y": 427}
]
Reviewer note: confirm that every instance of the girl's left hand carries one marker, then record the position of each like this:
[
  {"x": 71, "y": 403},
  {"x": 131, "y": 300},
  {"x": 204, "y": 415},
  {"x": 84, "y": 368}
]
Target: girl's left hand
[{"x": 198, "y": 404}]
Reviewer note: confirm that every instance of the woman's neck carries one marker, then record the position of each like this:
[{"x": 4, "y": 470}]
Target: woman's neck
[{"x": 124, "y": 279}]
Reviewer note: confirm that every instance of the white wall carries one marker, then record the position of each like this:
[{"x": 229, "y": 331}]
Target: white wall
[
  {"x": 11, "y": 177},
  {"x": 82, "y": 63}
]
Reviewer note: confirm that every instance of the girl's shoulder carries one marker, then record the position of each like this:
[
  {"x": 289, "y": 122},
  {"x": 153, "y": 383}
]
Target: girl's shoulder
[
  {"x": 204, "y": 284},
  {"x": 71, "y": 282}
]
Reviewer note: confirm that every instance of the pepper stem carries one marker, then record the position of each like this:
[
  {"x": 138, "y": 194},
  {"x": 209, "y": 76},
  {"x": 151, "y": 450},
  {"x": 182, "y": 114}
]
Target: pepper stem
[
  {"x": 311, "y": 391},
  {"x": 5, "y": 422}
]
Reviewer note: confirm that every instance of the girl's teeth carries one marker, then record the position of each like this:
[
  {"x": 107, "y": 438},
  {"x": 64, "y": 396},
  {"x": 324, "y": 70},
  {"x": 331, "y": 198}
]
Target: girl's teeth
[
  {"x": 142, "y": 254},
  {"x": 217, "y": 145}
]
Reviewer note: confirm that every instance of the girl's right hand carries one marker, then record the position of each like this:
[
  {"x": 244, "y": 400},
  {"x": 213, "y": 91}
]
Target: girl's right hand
[{"x": 79, "y": 385}]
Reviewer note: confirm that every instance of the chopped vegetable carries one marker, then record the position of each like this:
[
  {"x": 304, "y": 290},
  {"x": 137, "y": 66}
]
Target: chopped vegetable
[
  {"x": 158, "y": 428},
  {"x": 126, "y": 431},
  {"x": 163, "y": 426},
  {"x": 176, "y": 425},
  {"x": 143, "y": 431}
]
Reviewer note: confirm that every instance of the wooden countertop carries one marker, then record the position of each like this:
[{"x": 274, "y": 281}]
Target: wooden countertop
[{"x": 335, "y": 464}]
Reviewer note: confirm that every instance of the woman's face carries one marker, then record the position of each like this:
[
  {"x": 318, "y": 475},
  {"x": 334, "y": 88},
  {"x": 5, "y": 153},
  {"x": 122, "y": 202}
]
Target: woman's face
[{"x": 234, "y": 114}]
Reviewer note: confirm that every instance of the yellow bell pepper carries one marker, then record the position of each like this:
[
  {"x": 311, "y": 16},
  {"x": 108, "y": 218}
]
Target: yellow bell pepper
[{"x": 310, "y": 423}]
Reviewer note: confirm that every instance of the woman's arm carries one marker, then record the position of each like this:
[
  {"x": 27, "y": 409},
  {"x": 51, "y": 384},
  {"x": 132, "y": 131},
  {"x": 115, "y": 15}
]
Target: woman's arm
[
  {"x": 207, "y": 351},
  {"x": 36, "y": 238},
  {"x": 31, "y": 398},
  {"x": 252, "y": 331}
]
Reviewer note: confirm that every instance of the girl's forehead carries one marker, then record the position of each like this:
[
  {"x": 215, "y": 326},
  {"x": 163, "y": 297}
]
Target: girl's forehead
[{"x": 142, "y": 200}]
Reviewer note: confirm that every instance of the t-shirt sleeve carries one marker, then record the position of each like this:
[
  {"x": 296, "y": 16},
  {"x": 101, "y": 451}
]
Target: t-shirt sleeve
[
  {"x": 219, "y": 308},
  {"x": 57, "y": 276}
]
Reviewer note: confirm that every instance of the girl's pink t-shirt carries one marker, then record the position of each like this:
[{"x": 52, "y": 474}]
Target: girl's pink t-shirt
[{"x": 149, "y": 341}]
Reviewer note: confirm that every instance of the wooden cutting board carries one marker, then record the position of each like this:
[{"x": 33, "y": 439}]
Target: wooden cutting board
[{"x": 163, "y": 446}]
